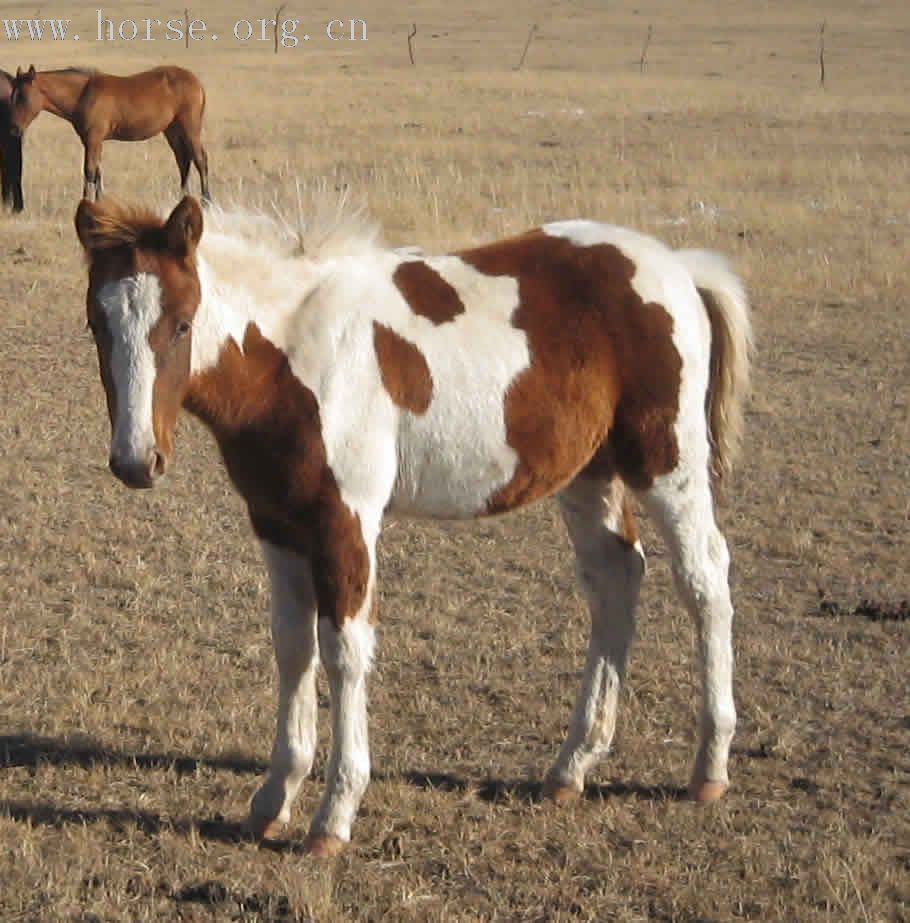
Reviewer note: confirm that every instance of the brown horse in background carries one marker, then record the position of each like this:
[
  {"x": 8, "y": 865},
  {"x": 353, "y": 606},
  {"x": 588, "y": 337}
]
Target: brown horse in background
[
  {"x": 103, "y": 106},
  {"x": 10, "y": 148}
]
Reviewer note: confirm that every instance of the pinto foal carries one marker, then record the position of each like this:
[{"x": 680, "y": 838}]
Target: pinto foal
[
  {"x": 102, "y": 107},
  {"x": 578, "y": 360}
]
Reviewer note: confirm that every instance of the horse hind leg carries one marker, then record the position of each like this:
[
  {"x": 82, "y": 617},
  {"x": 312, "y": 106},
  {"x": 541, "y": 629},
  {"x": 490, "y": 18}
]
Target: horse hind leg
[
  {"x": 681, "y": 505},
  {"x": 609, "y": 565},
  {"x": 179, "y": 145},
  {"x": 201, "y": 162}
]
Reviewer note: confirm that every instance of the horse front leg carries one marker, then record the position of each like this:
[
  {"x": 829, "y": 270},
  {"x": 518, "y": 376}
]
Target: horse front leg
[
  {"x": 346, "y": 642},
  {"x": 11, "y": 168},
  {"x": 294, "y": 640},
  {"x": 91, "y": 188}
]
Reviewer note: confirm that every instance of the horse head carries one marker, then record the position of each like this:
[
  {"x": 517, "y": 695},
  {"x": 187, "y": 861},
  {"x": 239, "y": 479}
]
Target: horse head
[
  {"x": 143, "y": 294},
  {"x": 26, "y": 100}
]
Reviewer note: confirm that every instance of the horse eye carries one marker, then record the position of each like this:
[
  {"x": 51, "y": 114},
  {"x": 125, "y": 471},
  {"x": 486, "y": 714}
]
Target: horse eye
[{"x": 183, "y": 328}]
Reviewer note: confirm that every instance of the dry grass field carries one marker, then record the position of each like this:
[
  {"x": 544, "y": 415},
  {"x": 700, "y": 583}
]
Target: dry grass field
[{"x": 136, "y": 675}]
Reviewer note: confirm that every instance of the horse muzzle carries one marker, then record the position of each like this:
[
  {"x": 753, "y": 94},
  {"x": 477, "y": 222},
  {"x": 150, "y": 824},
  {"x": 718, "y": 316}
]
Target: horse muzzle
[{"x": 139, "y": 474}]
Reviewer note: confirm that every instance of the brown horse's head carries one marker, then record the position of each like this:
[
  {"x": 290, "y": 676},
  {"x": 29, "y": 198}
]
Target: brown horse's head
[
  {"x": 143, "y": 293},
  {"x": 26, "y": 100}
]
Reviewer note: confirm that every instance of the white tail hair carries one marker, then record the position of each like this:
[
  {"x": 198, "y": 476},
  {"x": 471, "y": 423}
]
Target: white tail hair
[{"x": 727, "y": 306}]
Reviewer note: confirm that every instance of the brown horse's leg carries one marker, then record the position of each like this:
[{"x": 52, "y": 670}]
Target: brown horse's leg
[
  {"x": 176, "y": 138},
  {"x": 5, "y": 172},
  {"x": 14, "y": 168},
  {"x": 92, "y": 169},
  {"x": 201, "y": 160}
]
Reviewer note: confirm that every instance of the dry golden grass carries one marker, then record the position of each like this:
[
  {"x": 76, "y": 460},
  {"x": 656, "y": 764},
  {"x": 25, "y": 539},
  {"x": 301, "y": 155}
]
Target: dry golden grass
[{"x": 136, "y": 680}]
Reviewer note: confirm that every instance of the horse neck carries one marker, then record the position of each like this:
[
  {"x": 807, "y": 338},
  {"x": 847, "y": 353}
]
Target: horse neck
[
  {"x": 238, "y": 317},
  {"x": 61, "y": 91}
]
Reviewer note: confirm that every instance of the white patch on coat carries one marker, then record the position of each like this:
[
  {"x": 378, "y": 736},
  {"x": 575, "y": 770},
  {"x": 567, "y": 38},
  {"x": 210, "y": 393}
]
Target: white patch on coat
[
  {"x": 233, "y": 297},
  {"x": 452, "y": 458},
  {"x": 447, "y": 461},
  {"x": 131, "y": 307}
]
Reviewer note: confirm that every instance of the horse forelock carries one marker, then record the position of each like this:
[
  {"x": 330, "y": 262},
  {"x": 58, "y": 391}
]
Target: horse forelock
[{"x": 120, "y": 225}]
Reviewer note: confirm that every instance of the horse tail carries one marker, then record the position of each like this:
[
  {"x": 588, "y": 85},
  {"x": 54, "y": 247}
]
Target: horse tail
[{"x": 727, "y": 307}]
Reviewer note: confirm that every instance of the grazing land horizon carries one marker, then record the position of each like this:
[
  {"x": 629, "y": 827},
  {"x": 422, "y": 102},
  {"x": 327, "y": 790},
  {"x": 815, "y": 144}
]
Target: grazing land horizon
[{"x": 137, "y": 683}]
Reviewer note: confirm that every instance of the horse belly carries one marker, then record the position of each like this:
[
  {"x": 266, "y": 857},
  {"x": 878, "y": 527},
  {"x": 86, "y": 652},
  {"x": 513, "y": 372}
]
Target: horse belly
[
  {"x": 455, "y": 454},
  {"x": 451, "y": 460},
  {"x": 139, "y": 130}
]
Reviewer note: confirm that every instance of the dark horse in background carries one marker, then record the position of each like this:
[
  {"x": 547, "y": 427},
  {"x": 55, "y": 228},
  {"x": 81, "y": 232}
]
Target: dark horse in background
[{"x": 10, "y": 149}]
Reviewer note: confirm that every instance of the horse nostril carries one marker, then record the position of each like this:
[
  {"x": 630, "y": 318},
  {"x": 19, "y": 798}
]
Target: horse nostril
[{"x": 133, "y": 474}]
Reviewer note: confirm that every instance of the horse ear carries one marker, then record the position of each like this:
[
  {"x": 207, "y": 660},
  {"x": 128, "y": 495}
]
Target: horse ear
[
  {"x": 18, "y": 72},
  {"x": 184, "y": 227},
  {"x": 86, "y": 223},
  {"x": 31, "y": 72}
]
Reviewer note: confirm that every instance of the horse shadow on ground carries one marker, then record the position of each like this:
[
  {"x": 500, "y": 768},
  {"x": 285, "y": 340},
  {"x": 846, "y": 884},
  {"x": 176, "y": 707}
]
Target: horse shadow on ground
[
  {"x": 31, "y": 751},
  {"x": 500, "y": 791}
]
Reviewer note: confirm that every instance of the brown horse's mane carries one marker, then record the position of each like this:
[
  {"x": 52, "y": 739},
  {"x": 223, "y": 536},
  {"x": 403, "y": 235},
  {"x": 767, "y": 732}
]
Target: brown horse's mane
[{"x": 85, "y": 71}]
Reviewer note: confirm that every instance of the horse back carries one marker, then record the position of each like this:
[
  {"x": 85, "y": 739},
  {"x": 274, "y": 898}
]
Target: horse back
[
  {"x": 138, "y": 106},
  {"x": 524, "y": 362}
]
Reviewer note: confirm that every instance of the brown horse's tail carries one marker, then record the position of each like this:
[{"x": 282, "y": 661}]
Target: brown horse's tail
[{"x": 727, "y": 306}]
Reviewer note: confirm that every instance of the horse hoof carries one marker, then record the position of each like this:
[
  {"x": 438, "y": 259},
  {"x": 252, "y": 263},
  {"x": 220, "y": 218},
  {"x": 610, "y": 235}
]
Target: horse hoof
[
  {"x": 323, "y": 845},
  {"x": 263, "y": 829},
  {"x": 706, "y": 791},
  {"x": 560, "y": 793}
]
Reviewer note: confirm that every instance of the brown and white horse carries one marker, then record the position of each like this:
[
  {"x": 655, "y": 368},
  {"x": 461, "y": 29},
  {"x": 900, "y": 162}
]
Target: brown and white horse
[
  {"x": 578, "y": 360},
  {"x": 103, "y": 107},
  {"x": 10, "y": 149}
]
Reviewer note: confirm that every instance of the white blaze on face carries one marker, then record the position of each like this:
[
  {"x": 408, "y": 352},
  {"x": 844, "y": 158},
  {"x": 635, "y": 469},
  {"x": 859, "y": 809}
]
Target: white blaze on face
[{"x": 131, "y": 308}]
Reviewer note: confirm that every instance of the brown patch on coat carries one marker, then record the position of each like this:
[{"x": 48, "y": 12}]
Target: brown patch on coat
[
  {"x": 267, "y": 425},
  {"x": 266, "y": 422},
  {"x": 404, "y": 370},
  {"x": 428, "y": 294},
  {"x": 602, "y": 390}
]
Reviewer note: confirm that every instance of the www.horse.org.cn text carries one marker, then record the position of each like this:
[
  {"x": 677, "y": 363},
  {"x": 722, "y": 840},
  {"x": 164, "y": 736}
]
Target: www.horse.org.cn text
[{"x": 284, "y": 33}]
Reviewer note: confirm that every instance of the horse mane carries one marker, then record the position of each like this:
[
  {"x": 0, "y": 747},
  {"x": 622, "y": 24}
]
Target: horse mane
[
  {"x": 327, "y": 227},
  {"x": 84, "y": 71},
  {"x": 231, "y": 236}
]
